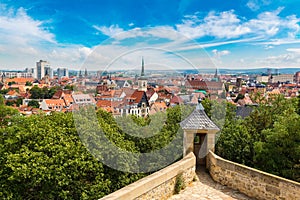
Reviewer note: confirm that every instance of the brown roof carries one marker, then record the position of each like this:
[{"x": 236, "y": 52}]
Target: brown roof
[
  {"x": 150, "y": 92},
  {"x": 136, "y": 96},
  {"x": 12, "y": 92},
  {"x": 176, "y": 100},
  {"x": 204, "y": 85},
  {"x": 54, "y": 102},
  {"x": 20, "y": 80},
  {"x": 103, "y": 103},
  {"x": 60, "y": 93}
]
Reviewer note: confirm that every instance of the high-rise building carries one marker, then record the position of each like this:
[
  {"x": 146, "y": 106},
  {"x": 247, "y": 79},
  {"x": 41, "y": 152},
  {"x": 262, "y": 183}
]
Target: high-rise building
[
  {"x": 49, "y": 72},
  {"x": 40, "y": 69},
  {"x": 62, "y": 72}
]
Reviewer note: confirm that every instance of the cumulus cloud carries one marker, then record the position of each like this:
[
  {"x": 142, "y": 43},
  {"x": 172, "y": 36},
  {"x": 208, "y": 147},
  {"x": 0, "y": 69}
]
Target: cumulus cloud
[
  {"x": 17, "y": 27},
  {"x": 228, "y": 25}
]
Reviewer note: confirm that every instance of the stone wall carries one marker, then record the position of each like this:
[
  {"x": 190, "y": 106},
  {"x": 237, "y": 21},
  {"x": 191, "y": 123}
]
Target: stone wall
[
  {"x": 159, "y": 185},
  {"x": 252, "y": 182}
]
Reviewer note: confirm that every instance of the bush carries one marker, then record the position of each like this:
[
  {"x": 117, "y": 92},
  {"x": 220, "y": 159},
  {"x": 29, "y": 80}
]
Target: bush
[{"x": 179, "y": 184}]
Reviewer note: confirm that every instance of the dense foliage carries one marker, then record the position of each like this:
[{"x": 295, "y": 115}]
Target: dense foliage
[
  {"x": 268, "y": 139},
  {"x": 43, "y": 157},
  {"x": 43, "y": 93}
]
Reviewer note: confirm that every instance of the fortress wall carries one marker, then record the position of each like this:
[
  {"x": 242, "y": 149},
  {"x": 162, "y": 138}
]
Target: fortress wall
[
  {"x": 159, "y": 185},
  {"x": 252, "y": 182}
]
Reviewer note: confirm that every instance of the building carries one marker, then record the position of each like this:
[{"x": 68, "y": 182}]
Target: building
[
  {"x": 17, "y": 74},
  {"x": 297, "y": 77},
  {"x": 41, "y": 68},
  {"x": 83, "y": 99},
  {"x": 283, "y": 78},
  {"x": 52, "y": 105},
  {"x": 32, "y": 71},
  {"x": 136, "y": 103},
  {"x": 62, "y": 72},
  {"x": 264, "y": 79},
  {"x": 49, "y": 72},
  {"x": 142, "y": 81}
]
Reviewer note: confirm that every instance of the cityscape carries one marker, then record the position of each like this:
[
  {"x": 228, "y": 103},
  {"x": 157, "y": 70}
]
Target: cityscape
[
  {"x": 123, "y": 93},
  {"x": 149, "y": 100}
]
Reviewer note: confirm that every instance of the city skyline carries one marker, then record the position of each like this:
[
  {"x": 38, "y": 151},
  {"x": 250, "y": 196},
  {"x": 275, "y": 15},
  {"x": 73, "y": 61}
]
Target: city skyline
[{"x": 178, "y": 34}]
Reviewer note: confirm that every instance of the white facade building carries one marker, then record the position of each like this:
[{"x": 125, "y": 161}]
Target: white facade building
[{"x": 40, "y": 69}]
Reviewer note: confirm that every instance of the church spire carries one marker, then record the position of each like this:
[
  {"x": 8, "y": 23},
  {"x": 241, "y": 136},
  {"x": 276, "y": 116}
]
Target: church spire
[
  {"x": 216, "y": 74},
  {"x": 143, "y": 68},
  {"x": 142, "y": 81}
]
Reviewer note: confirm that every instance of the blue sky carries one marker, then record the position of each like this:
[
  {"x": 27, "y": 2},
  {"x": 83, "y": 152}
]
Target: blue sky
[{"x": 169, "y": 33}]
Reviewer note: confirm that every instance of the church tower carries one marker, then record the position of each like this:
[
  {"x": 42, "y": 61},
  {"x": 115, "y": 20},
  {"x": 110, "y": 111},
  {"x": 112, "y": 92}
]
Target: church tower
[{"x": 142, "y": 81}]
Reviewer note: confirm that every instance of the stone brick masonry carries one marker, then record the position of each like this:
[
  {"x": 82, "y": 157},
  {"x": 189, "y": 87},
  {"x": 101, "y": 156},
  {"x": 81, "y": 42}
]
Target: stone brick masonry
[
  {"x": 252, "y": 182},
  {"x": 159, "y": 185}
]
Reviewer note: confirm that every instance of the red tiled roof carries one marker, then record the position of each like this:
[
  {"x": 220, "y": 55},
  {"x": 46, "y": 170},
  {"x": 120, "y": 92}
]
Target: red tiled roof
[
  {"x": 136, "y": 96},
  {"x": 203, "y": 85},
  {"x": 103, "y": 103},
  {"x": 176, "y": 100},
  {"x": 20, "y": 81},
  {"x": 54, "y": 102},
  {"x": 12, "y": 92}
]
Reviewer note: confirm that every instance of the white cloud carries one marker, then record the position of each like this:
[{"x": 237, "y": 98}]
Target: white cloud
[
  {"x": 85, "y": 51},
  {"x": 18, "y": 27},
  {"x": 295, "y": 50},
  {"x": 255, "y": 5},
  {"x": 229, "y": 26},
  {"x": 109, "y": 31},
  {"x": 286, "y": 60},
  {"x": 269, "y": 47},
  {"x": 220, "y": 53}
]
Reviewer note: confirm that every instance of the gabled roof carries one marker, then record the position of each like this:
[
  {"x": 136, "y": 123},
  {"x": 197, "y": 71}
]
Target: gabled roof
[
  {"x": 136, "y": 97},
  {"x": 176, "y": 100},
  {"x": 12, "y": 93},
  {"x": 198, "y": 120},
  {"x": 54, "y": 102}
]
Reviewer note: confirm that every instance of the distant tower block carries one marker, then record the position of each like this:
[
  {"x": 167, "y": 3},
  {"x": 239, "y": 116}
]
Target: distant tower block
[{"x": 85, "y": 73}]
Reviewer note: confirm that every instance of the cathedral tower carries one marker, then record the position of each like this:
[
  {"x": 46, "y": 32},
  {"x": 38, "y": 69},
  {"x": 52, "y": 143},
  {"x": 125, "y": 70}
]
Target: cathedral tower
[{"x": 142, "y": 81}]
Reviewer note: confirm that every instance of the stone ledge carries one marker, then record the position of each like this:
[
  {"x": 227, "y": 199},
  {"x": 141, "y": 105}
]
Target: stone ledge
[
  {"x": 145, "y": 185},
  {"x": 250, "y": 181}
]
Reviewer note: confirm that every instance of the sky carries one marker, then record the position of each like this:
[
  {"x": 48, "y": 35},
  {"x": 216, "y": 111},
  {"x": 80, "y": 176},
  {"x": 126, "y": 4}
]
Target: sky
[{"x": 168, "y": 34}]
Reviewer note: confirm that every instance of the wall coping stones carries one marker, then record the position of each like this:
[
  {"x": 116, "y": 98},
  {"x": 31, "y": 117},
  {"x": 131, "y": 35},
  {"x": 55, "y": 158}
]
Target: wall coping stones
[{"x": 145, "y": 185}]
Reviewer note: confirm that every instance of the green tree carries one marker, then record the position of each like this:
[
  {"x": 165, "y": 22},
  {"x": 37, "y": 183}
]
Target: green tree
[
  {"x": 6, "y": 113},
  {"x": 28, "y": 83},
  {"x": 11, "y": 83},
  {"x": 36, "y": 93},
  {"x": 40, "y": 161},
  {"x": 69, "y": 87},
  {"x": 34, "y": 104},
  {"x": 280, "y": 152},
  {"x": 235, "y": 143},
  {"x": 4, "y": 91},
  {"x": 239, "y": 96}
]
